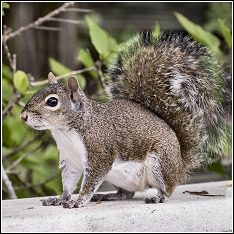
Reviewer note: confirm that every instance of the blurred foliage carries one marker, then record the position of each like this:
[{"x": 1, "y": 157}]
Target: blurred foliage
[
  {"x": 156, "y": 30},
  {"x": 5, "y": 6},
  {"x": 218, "y": 10},
  {"x": 199, "y": 34},
  {"x": 226, "y": 33},
  {"x": 30, "y": 157}
]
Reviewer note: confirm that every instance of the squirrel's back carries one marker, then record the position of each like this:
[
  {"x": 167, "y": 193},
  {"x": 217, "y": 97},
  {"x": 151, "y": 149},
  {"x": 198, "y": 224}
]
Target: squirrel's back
[{"x": 180, "y": 81}]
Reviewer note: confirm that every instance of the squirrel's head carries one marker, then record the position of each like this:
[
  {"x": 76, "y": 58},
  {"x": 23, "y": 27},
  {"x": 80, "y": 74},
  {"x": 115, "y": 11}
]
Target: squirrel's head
[{"x": 55, "y": 105}]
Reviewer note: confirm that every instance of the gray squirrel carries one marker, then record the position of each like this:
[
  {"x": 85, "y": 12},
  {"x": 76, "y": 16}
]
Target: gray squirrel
[{"x": 162, "y": 120}]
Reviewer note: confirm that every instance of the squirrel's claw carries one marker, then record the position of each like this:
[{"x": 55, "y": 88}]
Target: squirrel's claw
[
  {"x": 161, "y": 197},
  {"x": 70, "y": 204},
  {"x": 156, "y": 199}
]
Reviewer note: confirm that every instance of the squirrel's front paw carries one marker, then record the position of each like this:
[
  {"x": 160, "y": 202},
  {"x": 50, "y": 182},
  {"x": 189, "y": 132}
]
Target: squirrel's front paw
[
  {"x": 70, "y": 204},
  {"x": 53, "y": 201}
]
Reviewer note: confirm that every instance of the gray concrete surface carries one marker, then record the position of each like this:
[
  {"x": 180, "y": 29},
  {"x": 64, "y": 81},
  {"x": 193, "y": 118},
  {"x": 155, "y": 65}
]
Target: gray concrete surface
[{"x": 182, "y": 213}]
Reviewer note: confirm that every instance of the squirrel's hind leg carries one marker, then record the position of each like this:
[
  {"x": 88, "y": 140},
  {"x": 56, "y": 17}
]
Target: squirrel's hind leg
[
  {"x": 155, "y": 179},
  {"x": 120, "y": 195}
]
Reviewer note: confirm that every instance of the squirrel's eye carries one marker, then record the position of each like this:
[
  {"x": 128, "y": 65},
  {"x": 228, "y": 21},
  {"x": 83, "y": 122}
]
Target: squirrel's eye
[{"x": 52, "y": 101}]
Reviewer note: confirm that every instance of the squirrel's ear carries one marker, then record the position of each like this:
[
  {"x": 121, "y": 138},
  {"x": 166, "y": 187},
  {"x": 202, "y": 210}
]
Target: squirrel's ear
[
  {"x": 72, "y": 84},
  {"x": 73, "y": 88},
  {"x": 51, "y": 78}
]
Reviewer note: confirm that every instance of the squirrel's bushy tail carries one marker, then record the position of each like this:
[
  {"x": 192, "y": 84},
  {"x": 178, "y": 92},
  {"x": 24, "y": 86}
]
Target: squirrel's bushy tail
[{"x": 181, "y": 82}]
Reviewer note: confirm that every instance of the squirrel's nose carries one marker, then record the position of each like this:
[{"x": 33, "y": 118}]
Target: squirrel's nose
[{"x": 24, "y": 116}]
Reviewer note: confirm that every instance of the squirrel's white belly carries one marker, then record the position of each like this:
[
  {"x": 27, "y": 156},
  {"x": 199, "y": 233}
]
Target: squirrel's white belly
[
  {"x": 71, "y": 147},
  {"x": 136, "y": 175},
  {"x": 129, "y": 175}
]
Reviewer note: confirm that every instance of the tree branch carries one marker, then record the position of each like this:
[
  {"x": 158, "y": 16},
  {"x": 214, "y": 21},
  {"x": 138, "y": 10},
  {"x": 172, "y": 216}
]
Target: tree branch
[
  {"x": 48, "y": 28},
  {"x": 66, "y": 20},
  {"x": 7, "y": 182},
  {"x": 16, "y": 95},
  {"x": 7, "y": 51},
  {"x": 80, "y": 10},
  {"x": 73, "y": 73},
  {"x": 38, "y": 21},
  {"x": 100, "y": 74},
  {"x": 14, "y": 99}
]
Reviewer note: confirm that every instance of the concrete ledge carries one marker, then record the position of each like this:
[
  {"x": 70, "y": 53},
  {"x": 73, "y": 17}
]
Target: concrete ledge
[{"x": 182, "y": 213}]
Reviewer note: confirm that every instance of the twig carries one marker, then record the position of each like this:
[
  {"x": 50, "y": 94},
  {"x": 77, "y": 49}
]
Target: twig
[
  {"x": 38, "y": 184},
  {"x": 73, "y": 73},
  {"x": 80, "y": 10},
  {"x": 100, "y": 74},
  {"x": 204, "y": 193},
  {"x": 11, "y": 58},
  {"x": 16, "y": 95},
  {"x": 14, "y": 99},
  {"x": 48, "y": 28},
  {"x": 14, "y": 64},
  {"x": 9, "y": 187},
  {"x": 7, "y": 51},
  {"x": 38, "y": 21},
  {"x": 66, "y": 21}
]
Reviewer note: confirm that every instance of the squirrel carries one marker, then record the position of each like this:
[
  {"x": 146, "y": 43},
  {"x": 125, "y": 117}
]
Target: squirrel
[{"x": 162, "y": 120}]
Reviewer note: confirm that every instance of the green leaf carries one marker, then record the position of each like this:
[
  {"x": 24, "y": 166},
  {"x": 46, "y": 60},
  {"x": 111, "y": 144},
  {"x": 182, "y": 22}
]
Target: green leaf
[
  {"x": 21, "y": 81},
  {"x": 6, "y": 73},
  {"x": 218, "y": 10},
  {"x": 156, "y": 30},
  {"x": 199, "y": 34},
  {"x": 4, "y": 6},
  {"x": 101, "y": 40},
  {"x": 226, "y": 32},
  {"x": 85, "y": 58},
  {"x": 7, "y": 91},
  {"x": 59, "y": 69},
  {"x": 7, "y": 139}
]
